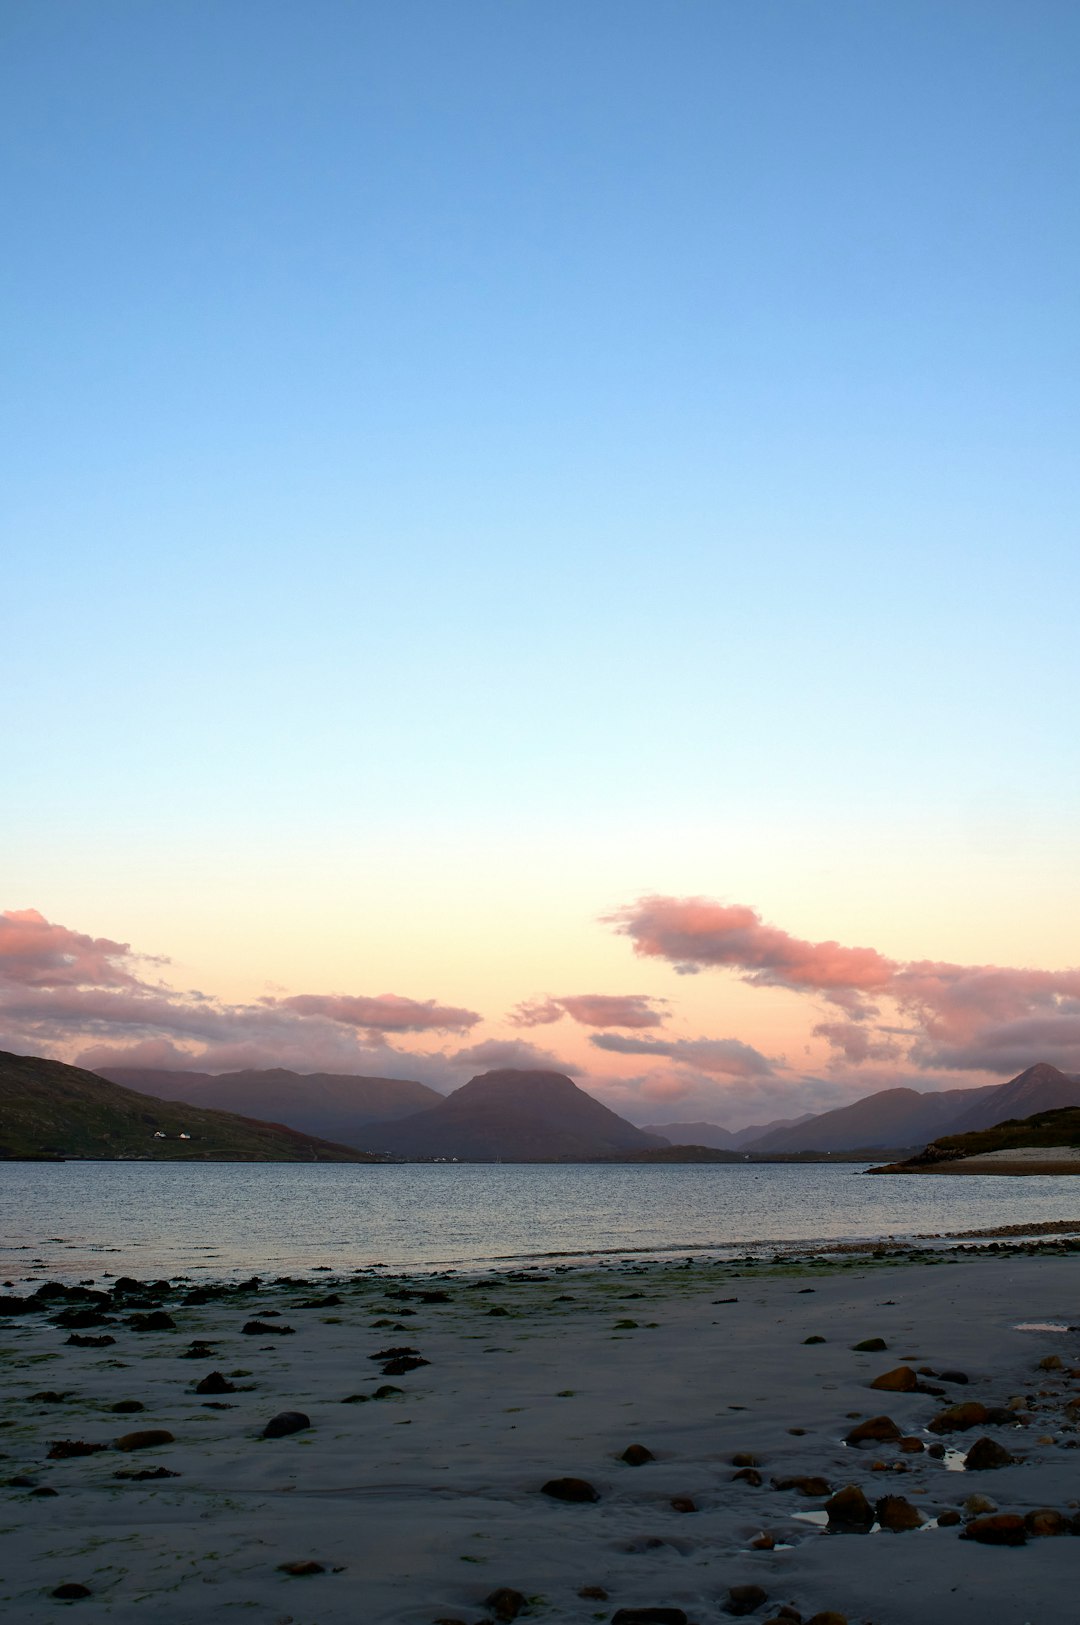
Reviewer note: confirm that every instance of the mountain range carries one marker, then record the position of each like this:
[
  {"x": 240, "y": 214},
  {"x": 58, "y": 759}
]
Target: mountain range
[
  {"x": 332, "y": 1105},
  {"x": 894, "y": 1118},
  {"x": 721, "y": 1139},
  {"x": 49, "y": 1110},
  {"x": 510, "y": 1115}
]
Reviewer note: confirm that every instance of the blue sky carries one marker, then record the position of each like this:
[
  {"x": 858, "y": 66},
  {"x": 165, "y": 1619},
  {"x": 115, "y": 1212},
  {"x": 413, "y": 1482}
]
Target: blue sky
[{"x": 610, "y": 443}]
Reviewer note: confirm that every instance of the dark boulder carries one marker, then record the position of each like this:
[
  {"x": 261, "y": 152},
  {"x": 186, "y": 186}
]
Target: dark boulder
[
  {"x": 284, "y": 1423},
  {"x": 570, "y": 1489},
  {"x": 850, "y": 1511}
]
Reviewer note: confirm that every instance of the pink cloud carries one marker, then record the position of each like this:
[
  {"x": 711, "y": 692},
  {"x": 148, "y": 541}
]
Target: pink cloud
[
  {"x": 693, "y": 933},
  {"x": 36, "y": 953},
  {"x": 385, "y": 1012},
  {"x": 62, "y": 991},
  {"x": 591, "y": 1010},
  {"x": 718, "y": 1057},
  {"x": 981, "y": 1017}
]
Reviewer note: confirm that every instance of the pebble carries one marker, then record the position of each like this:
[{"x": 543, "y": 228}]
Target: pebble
[
  {"x": 570, "y": 1489},
  {"x": 145, "y": 1439},
  {"x": 1004, "y": 1529},
  {"x": 745, "y": 1599},
  {"x": 284, "y": 1423},
  {"x": 505, "y": 1603},
  {"x": 985, "y": 1454},
  {"x": 874, "y": 1430},
  {"x": 849, "y": 1510}
]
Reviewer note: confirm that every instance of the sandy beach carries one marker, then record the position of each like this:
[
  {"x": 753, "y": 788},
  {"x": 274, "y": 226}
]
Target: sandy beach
[{"x": 419, "y": 1505}]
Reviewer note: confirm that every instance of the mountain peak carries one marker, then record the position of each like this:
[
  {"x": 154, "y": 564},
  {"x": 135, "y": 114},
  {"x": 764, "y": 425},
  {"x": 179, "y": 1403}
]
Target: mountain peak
[{"x": 515, "y": 1115}]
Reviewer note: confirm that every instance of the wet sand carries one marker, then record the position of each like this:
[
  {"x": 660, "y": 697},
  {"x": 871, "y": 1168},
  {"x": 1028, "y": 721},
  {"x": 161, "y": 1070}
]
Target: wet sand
[{"x": 420, "y": 1504}]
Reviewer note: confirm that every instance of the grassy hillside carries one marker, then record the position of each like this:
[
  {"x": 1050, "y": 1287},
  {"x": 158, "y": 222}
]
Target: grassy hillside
[
  {"x": 51, "y": 1110},
  {"x": 1055, "y": 1128}
]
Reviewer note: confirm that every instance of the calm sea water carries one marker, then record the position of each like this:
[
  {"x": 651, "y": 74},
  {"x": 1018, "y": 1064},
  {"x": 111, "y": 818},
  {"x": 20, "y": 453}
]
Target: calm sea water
[{"x": 76, "y": 1220}]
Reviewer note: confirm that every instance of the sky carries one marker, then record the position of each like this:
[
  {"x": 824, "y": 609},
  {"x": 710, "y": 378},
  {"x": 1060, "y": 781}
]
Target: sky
[{"x": 543, "y": 534}]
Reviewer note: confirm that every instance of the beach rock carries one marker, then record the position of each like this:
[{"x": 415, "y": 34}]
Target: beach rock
[
  {"x": 505, "y": 1603},
  {"x": 570, "y": 1489},
  {"x": 683, "y": 1503},
  {"x": 806, "y": 1485},
  {"x": 497, "y": 1309},
  {"x": 284, "y": 1423},
  {"x": 746, "y": 1599},
  {"x": 976, "y": 1505},
  {"x": 875, "y": 1430},
  {"x": 814, "y": 1339},
  {"x": 743, "y": 1458},
  {"x": 159, "y": 1320},
  {"x": 648, "y": 1616},
  {"x": 870, "y": 1345},
  {"x": 397, "y": 1353},
  {"x": 985, "y": 1454},
  {"x": 48, "y": 1396},
  {"x": 953, "y": 1376},
  {"x": 958, "y": 1418},
  {"x": 911, "y": 1446},
  {"x": 407, "y": 1362},
  {"x": 127, "y": 1407},
  {"x": 78, "y": 1342},
  {"x": 902, "y": 1380},
  {"x": 198, "y": 1351},
  {"x": 1003, "y": 1529},
  {"x": 849, "y": 1510},
  {"x": 1045, "y": 1521},
  {"x": 43, "y": 1490},
  {"x": 936, "y": 1451},
  {"x": 81, "y": 1318},
  {"x": 62, "y": 1449},
  {"x": 145, "y": 1474},
  {"x": 789, "y": 1616},
  {"x": 636, "y": 1455},
  {"x": 948, "y": 1519},
  {"x": 897, "y": 1514},
  {"x": 1051, "y": 1362},
  {"x": 387, "y": 1391},
  {"x": 593, "y": 1593},
  {"x": 71, "y": 1593},
  {"x": 215, "y": 1383},
  {"x": 301, "y": 1570},
  {"x": 355, "y": 1399},
  {"x": 749, "y": 1475},
  {"x": 763, "y": 1543},
  {"x": 260, "y": 1328},
  {"x": 145, "y": 1439},
  {"x": 828, "y": 1618}
]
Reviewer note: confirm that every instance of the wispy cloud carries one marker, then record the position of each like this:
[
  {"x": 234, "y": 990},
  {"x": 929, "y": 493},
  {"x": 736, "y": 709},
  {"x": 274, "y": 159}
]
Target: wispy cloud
[
  {"x": 592, "y": 1010},
  {"x": 91, "y": 999},
  {"x": 718, "y": 1057},
  {"x": 384, "y": 1013}
]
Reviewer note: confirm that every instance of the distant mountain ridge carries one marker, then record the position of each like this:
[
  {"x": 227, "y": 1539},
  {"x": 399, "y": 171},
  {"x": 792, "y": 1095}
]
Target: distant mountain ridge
[
  {"x": 514, "y": 1116},
  {"x": 49, "y": 1110},
  {"x": 335, "y": 1106},
  {"x": 893, "y": 1119},
  {"x": 720, "y": 1139},
  {"x": 1041, "y": 1088}
]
